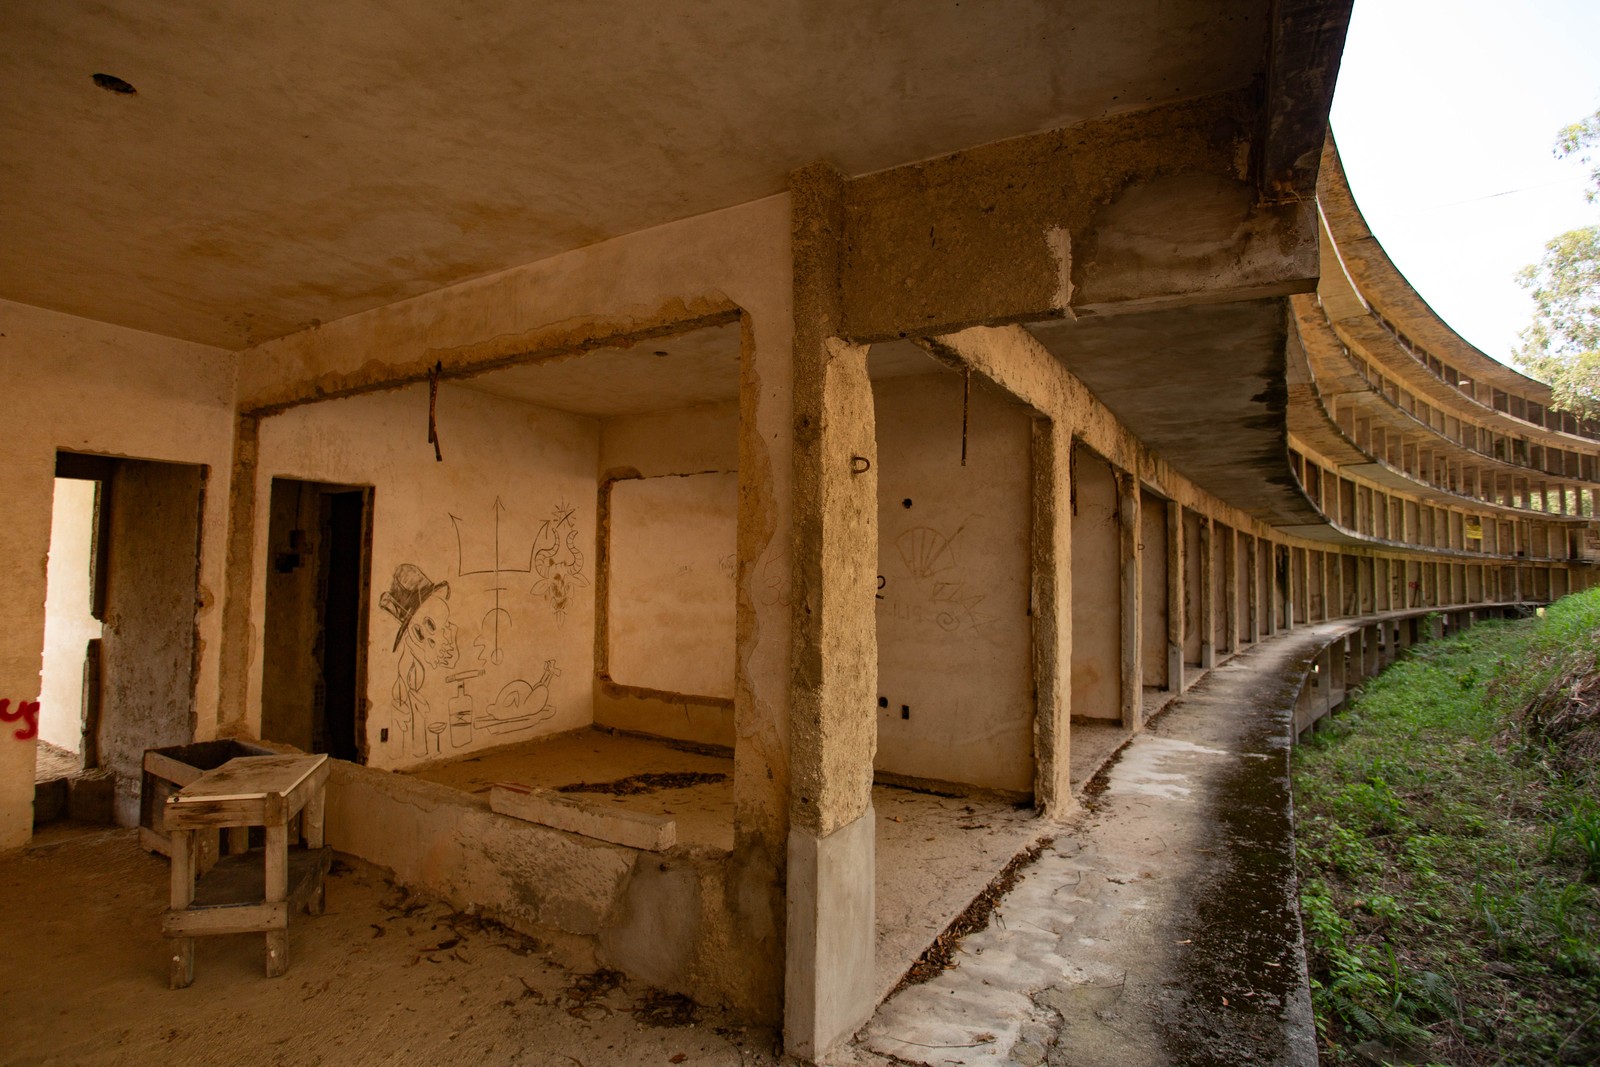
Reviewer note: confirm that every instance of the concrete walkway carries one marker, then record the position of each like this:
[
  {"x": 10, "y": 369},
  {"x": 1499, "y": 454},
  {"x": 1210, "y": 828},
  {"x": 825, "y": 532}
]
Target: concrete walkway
[{"x": 1161, "y": 925}]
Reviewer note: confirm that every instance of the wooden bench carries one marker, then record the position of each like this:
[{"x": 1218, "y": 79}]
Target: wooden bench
[{"x": 253, "y": 890}]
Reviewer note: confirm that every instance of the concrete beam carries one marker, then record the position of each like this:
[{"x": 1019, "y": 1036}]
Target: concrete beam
[
  {"x": 1302, "y": 66},
  {"x": 1143, "y": 210}
]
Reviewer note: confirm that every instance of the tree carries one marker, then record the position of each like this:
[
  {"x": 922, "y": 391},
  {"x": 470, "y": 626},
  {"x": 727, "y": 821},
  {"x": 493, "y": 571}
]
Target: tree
[{"x": 1562, "y": 344}]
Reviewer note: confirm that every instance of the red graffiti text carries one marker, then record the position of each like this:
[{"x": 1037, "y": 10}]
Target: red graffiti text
[{"x": 27, "y": 710}]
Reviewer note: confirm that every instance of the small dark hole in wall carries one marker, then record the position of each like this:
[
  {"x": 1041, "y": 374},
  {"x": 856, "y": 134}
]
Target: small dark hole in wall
[
  {"x": 905, "y": 711},
  {"x": 883, "y": 702},
  {"x": 383, "y": 734},
  {"x": 661, "y": 351},
  {"x": 114, "y": 84},
  {"x": 906, "y": 503}
]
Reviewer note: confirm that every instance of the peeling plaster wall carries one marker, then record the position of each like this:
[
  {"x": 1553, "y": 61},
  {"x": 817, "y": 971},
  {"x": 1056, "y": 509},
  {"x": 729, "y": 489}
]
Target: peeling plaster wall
[
  {"x": 70, "y": 383},
  {"x": 486, "y": 557},
  {"x": 954, "y": 634}
]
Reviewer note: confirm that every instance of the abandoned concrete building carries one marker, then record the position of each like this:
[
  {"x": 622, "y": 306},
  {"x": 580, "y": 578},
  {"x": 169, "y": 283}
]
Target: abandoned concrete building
[{"x": 794, "y": 402}]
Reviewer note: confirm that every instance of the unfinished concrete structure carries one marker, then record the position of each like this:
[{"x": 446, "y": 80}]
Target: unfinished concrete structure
[{"x": 774, "y": 401}]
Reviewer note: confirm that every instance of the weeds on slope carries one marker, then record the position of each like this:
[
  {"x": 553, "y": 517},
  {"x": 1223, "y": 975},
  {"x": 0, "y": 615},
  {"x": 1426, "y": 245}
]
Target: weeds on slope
[{"x": 1448, "y": 845}]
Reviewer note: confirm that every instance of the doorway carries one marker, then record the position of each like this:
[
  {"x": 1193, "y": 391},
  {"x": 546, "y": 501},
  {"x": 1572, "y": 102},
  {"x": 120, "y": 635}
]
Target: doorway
[
  {"x": 120, "y": 631},
  {"x": 314, "y": 640}
]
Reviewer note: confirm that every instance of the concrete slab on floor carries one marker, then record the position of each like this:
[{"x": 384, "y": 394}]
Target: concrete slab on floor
[{"x": 701, "y": 801}]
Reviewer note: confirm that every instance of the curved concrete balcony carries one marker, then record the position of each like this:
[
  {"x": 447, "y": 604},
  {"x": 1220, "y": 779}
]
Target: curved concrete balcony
[
  {"x": 1367, "y": 296},
  {"x": 1376, "y": 426}
]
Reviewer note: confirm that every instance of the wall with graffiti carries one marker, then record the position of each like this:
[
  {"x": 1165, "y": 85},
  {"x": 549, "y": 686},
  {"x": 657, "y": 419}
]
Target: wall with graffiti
[
  {"x": 955, "y": 678},
  {"x": 481, "y": 613}
]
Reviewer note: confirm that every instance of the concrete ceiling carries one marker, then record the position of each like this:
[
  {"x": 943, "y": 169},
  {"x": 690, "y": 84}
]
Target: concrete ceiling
[
  {"x": 1204, "y": 387},
  {"x": 293, "y": 162}
]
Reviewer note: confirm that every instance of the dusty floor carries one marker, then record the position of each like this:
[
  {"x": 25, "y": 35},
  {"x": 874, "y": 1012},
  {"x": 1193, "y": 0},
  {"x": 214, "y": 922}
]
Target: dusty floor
[{"x": 380, "y": 978}]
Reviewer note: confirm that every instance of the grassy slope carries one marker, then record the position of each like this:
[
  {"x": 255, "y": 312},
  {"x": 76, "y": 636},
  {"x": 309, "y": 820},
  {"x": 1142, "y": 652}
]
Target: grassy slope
[{"x": 1447, "y": 870}]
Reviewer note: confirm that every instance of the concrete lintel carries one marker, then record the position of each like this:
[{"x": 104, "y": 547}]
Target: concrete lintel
[
  {"x": 828, "y": 986},
  {"x": 1144, "y": 210}
]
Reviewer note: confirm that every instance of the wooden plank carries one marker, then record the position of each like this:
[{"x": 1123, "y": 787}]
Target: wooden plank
[
  {"x": 179, "y": 774},
  {"x": 240, "y": 919},
  {"x": 151, "y": 841},
  {"x": 241, "y": 879},
  {"x": 253, "y": 776},
  {"x": 653, "y": 833},
  {"x": 182, "y": 972},
  {"x": 214, "y": 813}
]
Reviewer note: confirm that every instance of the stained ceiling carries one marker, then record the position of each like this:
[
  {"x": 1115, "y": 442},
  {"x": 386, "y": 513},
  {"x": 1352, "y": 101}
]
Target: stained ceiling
[{"x": 283, "y": 164}]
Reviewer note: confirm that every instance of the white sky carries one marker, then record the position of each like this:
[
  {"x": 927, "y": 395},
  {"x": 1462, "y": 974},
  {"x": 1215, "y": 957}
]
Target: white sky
[{"x": 1445, "y": 115}]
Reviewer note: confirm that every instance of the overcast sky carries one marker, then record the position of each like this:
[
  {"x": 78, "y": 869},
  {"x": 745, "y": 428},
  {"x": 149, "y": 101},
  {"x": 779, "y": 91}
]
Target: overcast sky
[{"x": 1445, "y": 115}]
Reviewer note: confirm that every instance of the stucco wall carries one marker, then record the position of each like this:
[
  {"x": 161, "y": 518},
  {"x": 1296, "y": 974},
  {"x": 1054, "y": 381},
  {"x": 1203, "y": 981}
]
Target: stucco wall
[
  {"x": 486, "y": 557},
  {"x": 670, "y": 591},
  {"x": 70, "y": 383},
  {"x": 954, "y": 638}
]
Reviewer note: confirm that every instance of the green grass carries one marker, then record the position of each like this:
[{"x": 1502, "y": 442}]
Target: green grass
[{"x": 1449, "y": 862}]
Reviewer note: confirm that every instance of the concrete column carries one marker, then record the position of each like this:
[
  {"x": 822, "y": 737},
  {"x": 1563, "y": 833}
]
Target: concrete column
[
  {"x": 234, "y": 661},
  {"x": 1253, "y": 585},
  {"x": 1281, "y": 613},
  {"x": 828, "y": 973},
  {"x": 1050, "y": 606},
  {"x": 1333, "y": 583},
  {"x": 1207, "y": 615},
  {"x": 1132, "y": 603},
  {"x": 1176, "y": 551},
  {"x": 1230, "y": 589}
]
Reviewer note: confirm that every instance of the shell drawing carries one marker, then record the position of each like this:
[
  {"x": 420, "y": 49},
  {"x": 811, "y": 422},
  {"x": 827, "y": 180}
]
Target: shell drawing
[{"x": 925, "y": 551}]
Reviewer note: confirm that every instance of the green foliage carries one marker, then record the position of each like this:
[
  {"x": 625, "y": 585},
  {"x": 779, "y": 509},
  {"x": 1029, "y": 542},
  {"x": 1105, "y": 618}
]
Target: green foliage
[
  {"x": 1561, "y": 346},
  {"x": 1448, "y": 865}
]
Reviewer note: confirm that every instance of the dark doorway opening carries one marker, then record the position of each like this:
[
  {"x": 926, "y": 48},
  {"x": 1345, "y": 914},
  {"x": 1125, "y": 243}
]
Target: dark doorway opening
[{"x": 315, "y": 635}]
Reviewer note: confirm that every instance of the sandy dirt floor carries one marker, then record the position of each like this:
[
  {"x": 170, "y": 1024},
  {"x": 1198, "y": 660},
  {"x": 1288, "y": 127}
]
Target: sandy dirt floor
[{"x": 383, "y": 977}]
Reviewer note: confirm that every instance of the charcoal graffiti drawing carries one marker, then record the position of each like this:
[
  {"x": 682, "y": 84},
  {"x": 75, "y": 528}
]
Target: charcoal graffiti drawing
[
  {"x": 487, "y": 644},
  {"x": 519, "y": 705},
  {"x": 558, "y": 560},
  {"x": 425, "y": 639},
  {"x": 925, "y": 551}
]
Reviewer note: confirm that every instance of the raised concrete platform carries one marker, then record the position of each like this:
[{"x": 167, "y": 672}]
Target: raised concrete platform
[{"x": 936, "y": 845}]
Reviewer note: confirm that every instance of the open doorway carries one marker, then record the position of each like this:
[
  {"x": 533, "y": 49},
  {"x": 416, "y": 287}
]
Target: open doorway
[
  {"x": 314, "y": 640},
  {"x": 120, "y": 638}
]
